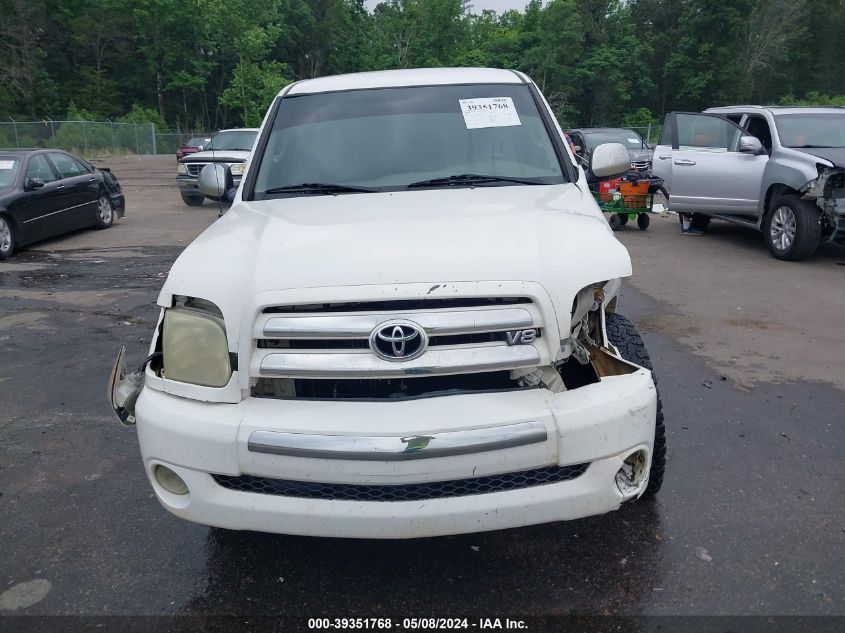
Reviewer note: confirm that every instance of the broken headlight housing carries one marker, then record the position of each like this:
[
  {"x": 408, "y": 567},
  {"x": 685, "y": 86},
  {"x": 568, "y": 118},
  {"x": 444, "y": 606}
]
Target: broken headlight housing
[
  {"x": 585, "y": 325},
  {"x": 194, "y": 347}
]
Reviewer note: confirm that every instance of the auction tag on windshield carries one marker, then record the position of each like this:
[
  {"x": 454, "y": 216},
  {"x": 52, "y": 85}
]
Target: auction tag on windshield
[
  {"x": 633, "y": 140},
  {"x": 7, "y": 164},
  {"x": 495, "y": 112}
]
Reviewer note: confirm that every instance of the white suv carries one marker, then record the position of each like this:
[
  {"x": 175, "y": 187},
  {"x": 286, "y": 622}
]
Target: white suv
[{"x": 405, "y": 326}]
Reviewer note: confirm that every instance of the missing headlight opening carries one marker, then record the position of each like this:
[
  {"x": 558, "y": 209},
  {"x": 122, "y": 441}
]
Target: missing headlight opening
[{"x": 586, "y": 357}]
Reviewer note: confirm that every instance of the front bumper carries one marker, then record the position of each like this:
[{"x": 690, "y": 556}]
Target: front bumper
[
  {"x": 118, "y": 200},
  {"x": 189, "y": 185},
  {"x": 599, "y": 424}
]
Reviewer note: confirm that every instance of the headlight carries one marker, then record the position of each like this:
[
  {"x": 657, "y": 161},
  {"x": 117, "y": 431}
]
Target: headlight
[
  {"x": 181, "y": 168},
  {"x": 237, "y": 169},
  {"x": 195, "y": 348}
]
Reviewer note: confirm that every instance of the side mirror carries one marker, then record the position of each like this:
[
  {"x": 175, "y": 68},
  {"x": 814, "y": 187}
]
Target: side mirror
[
  {"x": 215, "y": 180},
  {"x": 32, "y": 184},
  {"x": 750, "y": 145},
  {"x": 610, "y": 160}
]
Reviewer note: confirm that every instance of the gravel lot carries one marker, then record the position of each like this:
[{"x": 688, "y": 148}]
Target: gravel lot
[{"x": 751, "y": 359}]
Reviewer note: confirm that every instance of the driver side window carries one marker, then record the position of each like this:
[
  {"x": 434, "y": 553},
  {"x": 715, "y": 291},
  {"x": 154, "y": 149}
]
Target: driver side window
[
  {"x": 757, "y": 126},
  {"x": 68, "y": 168},
  {"x": 701, "y": 132},
  {"x": 38, "y": 168}
]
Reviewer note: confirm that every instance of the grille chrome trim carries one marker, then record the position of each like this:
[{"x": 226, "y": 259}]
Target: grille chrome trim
[
  {"x": 395, "y": 448},
  {"x": 386, "y": 493},
  {"x": 194, "y": 169},
  {"x": 361, "y": 325},
  {"x": 460, "y": 360}
]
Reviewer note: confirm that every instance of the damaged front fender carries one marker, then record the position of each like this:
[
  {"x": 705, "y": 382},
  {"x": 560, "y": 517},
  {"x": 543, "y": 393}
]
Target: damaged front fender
[
  {"x": 123, "y": 389},
  {"x": 828, "y": 192}
]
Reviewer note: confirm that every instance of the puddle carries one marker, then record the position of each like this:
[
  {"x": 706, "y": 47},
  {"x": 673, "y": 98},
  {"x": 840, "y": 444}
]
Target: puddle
[{"x": 25, "y": 594}]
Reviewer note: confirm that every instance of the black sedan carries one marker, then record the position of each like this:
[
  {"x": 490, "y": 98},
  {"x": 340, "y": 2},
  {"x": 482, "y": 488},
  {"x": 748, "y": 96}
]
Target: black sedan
[{"x": 44, "y": 192}]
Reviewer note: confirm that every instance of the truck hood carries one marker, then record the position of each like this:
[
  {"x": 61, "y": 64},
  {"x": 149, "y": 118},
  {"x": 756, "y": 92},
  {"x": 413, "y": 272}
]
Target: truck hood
[
  {"x": 553, "y": 235},
  {"x": 835, "y": 155},
  {"x": 218, "y": 155}
]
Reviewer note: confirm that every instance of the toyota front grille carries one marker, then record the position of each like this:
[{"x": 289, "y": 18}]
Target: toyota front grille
[{"x": 378, "y": 349}]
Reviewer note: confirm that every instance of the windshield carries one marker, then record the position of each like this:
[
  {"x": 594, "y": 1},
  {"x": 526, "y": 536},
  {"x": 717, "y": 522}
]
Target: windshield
[
  {"x": 199, "y": 141},
  {"x": 628, "y": 138},
  {"x": 9, "y": 166},
  {"x": 811, "y": 130},
  {"x": 233, "y": 140},
  {"x": 388, "y": 139}
]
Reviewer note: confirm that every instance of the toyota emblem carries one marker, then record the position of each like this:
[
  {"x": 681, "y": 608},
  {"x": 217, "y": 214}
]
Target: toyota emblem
[{"x": 398, "y": 340}]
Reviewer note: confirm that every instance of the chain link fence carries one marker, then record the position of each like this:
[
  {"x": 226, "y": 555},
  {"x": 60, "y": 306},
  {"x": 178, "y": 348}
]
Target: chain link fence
[
  {"x": 649, "y": 134},
  {"x": 97, "y": 138},
  {"x": 92, "y": 138}
]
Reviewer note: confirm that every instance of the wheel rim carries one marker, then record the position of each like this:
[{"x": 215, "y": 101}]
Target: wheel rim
[
  {"x": 783, "y": 228},
  {"x": 5, "y": 235},
  {"x": 105, "y": 210}
]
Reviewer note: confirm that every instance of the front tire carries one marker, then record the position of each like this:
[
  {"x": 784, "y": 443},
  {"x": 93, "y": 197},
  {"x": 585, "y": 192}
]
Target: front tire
[
  {"x": 627, "y": 339},
  {"x": 793, "y": 228},
  {"x": 193, "y": 201},
  {"x": 700, "y": 222},
  {"x": 105, "y": 212},
  {"x": 7, "y": 238},
  {"x": 643, "y": 221}
]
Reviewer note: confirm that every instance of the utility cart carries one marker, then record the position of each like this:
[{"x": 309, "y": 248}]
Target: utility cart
[{"x": 626, "y": 199}]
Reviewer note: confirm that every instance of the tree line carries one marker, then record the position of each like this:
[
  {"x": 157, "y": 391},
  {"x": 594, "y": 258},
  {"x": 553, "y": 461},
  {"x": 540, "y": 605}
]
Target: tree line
[{"x": 208, "y": 64}]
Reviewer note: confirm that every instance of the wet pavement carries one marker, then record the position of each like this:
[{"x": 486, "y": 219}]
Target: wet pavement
[{"x": 751, "y": 519}]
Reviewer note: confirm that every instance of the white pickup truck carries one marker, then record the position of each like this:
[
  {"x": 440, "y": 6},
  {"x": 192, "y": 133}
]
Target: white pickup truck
[{"x": 405, "y": 326}]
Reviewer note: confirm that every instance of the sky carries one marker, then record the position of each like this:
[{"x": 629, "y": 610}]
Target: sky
[{"x": 478, "y": 5}]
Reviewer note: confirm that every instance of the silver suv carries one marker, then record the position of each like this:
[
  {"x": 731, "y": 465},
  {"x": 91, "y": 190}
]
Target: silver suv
[{"x": 778, "y": 169}]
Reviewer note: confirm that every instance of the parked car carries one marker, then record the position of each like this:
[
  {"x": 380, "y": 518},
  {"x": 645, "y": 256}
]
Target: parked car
[
  {"x": 47, "y": 192},
  {"x": 228, "y": 147},
  {"x": 780, "y": 170},
  {"x": 406, "y": 325},
  {"x": 192, "y": 145},
  {"x": 587, "y": 139}
]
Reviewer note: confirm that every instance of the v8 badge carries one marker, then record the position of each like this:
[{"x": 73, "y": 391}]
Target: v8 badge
[{"x": 521, "y": 337}]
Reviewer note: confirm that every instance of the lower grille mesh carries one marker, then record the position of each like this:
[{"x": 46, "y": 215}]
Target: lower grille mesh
[{"x": 402, "y": 492}]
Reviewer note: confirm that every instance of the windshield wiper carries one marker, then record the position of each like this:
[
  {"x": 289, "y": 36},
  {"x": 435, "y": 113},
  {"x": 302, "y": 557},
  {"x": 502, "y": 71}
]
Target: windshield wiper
[
  {"x": 320, "y": 187},
  {"x": 812, "y": 146},
  {"x": 470, "y": 179}
]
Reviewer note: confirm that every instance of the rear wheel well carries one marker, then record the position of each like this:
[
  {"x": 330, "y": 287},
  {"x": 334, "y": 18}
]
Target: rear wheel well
[
  {"x": 9, "y": 249},
  {"x": 16, "y": 228}
]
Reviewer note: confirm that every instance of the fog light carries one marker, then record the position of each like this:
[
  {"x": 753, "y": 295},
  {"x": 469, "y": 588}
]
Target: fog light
[
  {"x": 170, "y": 481},
  {"x": 630, "y": 477}
]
